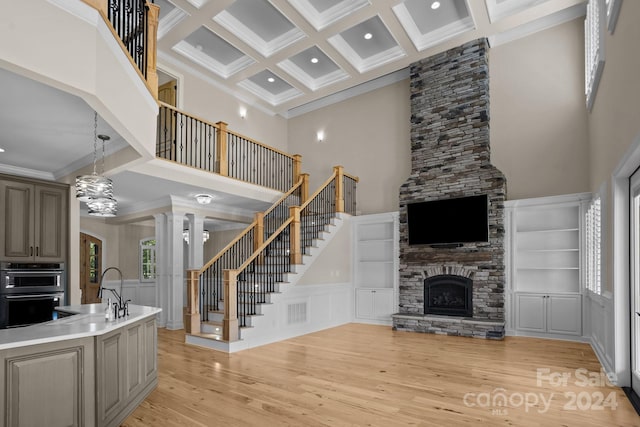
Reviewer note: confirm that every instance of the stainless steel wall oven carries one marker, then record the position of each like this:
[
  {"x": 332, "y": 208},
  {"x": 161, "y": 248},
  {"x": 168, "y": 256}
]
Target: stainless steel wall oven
[{"x": 30, "y": 292}]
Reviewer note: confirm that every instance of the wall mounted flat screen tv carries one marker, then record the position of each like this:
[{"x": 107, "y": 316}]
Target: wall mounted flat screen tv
[{"x": 449, "y": 221}]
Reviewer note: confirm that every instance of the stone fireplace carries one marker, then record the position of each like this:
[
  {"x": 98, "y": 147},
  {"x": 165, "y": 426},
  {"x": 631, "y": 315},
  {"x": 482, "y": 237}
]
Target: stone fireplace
[{"x": 452, "y": 289}]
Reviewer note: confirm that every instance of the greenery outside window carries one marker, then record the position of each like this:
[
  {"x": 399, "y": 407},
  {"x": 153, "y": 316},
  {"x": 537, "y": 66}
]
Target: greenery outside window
[{"x": 148, "y": 260}]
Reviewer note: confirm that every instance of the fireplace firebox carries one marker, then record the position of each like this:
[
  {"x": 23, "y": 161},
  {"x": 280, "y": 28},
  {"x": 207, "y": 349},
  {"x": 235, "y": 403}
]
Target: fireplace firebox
[{"x": 448, "y": 295}]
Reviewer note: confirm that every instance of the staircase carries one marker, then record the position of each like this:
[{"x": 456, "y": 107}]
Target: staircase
[{"x": 232, "y": 298}]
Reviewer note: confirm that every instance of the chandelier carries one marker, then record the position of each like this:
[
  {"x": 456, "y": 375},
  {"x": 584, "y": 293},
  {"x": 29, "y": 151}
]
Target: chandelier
[
  {"x": 205, "y": 236},
  {"x": 97, "y": 190}
]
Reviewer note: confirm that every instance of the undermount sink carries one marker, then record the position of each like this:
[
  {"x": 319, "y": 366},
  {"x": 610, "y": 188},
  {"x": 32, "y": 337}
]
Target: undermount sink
[{"x": 80, "y": 318}]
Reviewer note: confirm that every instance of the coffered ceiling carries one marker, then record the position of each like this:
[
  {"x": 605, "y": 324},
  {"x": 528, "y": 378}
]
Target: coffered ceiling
[{"x": 281, "y": 54}]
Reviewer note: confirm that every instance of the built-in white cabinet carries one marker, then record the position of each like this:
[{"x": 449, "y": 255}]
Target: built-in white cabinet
[
  {"x": 376, "y": 304},
  {"x": 375, "y": 267},
  {"x": 544, "y": 260},
  {"x": 549, "y": 313}
]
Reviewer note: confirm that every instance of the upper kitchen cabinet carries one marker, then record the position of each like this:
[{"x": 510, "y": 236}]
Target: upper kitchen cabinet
[{"x": 33, "y": 225}]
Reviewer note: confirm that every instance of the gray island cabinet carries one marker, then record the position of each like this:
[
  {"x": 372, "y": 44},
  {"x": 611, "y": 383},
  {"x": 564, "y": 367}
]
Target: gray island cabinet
[{"x": 79, "y": 370}]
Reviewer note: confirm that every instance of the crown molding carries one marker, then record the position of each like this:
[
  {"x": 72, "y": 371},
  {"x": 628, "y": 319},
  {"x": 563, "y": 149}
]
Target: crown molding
[
  {"x": 206, "y": 61},
  {"x": 28, "y": 173},
  {"x": 314, "y": 84},
  {"x": 172, "y": 19},
  {"x": 272, "y": 99},
  {"x": 244, "y": 33},
  {"x": 321, "y": 20}
]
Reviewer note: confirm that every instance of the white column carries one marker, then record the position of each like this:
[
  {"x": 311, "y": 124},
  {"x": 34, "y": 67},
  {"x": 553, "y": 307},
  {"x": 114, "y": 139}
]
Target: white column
[
  {"x": 175, "y": 270},
  {"x": 196, "y": 245},
  {"x": 161, "y": 269}
]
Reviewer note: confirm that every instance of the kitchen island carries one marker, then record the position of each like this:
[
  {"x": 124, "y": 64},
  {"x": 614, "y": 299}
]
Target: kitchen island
[{"x": 78, "y": 370}]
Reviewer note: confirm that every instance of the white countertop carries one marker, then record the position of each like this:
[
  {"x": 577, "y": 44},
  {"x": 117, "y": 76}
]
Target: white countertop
[{"x": 88, "y": 321}]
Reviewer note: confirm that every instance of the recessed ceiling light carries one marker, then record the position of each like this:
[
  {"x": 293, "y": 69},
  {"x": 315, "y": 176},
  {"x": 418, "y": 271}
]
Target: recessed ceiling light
[
  {"x": 314, "y": 60},
  {"x": 435, "y": 5},
  {"x": 199, "y": 47},
  {"x": 368, "y": 36},
  {"x": 271, "y": 80},
  {"x": 1, "y": 150}
]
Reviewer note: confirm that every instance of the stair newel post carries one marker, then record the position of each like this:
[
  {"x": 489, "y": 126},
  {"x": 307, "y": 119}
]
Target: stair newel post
[
  {"x": 304, "y": 188},
  {"x": 295, "y": 252},
  {"x": 151, "y": 51},
  {"x": 258, "y": 237},
  {"x": 339, "y": 173},
  {"x": 230, "y": 331},
  {"x": 297, "y": 167},
  {"x": 193, "y": 302},
  {"x": 221, "y": 149}
]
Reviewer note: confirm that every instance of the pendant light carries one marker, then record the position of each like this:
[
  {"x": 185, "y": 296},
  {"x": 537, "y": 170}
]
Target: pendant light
[{"x": 94, "y": 186}]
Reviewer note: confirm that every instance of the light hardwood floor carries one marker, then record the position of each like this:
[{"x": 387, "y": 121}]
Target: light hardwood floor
[{"x": 366, "y": 375}]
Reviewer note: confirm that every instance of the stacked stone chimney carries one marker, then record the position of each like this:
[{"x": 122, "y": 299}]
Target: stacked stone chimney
[{"x": 450, "y": 155}]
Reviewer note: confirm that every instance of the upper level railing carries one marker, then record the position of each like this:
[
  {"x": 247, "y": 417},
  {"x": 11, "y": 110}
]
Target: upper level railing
[
  {"x": 135, "y": 24},
  {"x": 195, "y": 142}
]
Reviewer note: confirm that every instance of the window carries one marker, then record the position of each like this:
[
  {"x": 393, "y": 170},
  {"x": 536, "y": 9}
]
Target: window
[
  {"x": 147, "y": 260},
  {"x": 594, "y": 247},
  {"x": 594, "y": 30}
]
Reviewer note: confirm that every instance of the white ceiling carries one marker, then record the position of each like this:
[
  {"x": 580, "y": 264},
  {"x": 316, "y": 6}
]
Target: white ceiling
[
  {"x": 314, "y": 48},
  {"x": 240, "y": 46}
]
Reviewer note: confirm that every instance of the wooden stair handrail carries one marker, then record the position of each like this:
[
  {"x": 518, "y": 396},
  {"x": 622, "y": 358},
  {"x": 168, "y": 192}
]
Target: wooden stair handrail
[
  {"x": 262, "y": 247},
  {"x": 322, "y": 187},
  {"x": 249, "y": 228},
  {"x": 171, "y": 107}
]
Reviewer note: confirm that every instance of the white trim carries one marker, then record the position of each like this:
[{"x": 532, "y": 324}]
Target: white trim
[
  {"x": 366, "y": 64},
  {"x": 206, "y": 61},
  {"x": 620, "y": 193},
  {"x": 321, "y": 20},
  {"x": 613, "y": 11},
  {"x": 272, "y": 99},
  {"x": 198, "y": 3},
  {"x": 538, "y": 25},
  {"x": 244, "y": 33},
  {"x": 352, "y": 92},
  {"x": 423, "y": 41},
  {"x": 172, "y": 19},
  {"x": 30, "y": 173},
  {"x": 226, "y": 89},
  {"x": 551, "y": 200},
  {"x": 313, "y": 84}
]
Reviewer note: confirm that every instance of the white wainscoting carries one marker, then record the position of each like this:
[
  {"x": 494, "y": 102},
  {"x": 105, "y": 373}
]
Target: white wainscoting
[
  {"x": 140, "y": 293},
  {"x": 301, "y": 310},
  {"x": 599, "y": 325}
]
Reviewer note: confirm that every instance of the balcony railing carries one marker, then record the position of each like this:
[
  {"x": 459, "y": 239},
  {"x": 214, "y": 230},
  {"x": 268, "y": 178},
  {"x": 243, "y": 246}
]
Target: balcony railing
[
  {"x": 195, "y": 142},
  {"x": 135, "y": 25}
]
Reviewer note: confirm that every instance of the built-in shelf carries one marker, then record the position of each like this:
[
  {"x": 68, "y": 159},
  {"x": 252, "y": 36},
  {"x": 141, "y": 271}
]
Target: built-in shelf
[
  {"x": 544, "y": 264},
  {"x": 375, "y": 273}
]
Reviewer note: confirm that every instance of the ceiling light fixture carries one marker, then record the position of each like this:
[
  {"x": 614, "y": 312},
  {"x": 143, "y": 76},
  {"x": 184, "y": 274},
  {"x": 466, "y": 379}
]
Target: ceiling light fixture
[
  {"x": 205, "y": 236},
  {"x": 1, "y": 150},
  {"x": 271, "y": 80},
  {"x": 435, "y": 5},
  {"x": 314, "y": 60},
  {"x": 368, "y": 36},
  {"x": 103, "y": 206},
  {"x": 204, "y": 199},
  {"x": 97, "y": 190}
]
